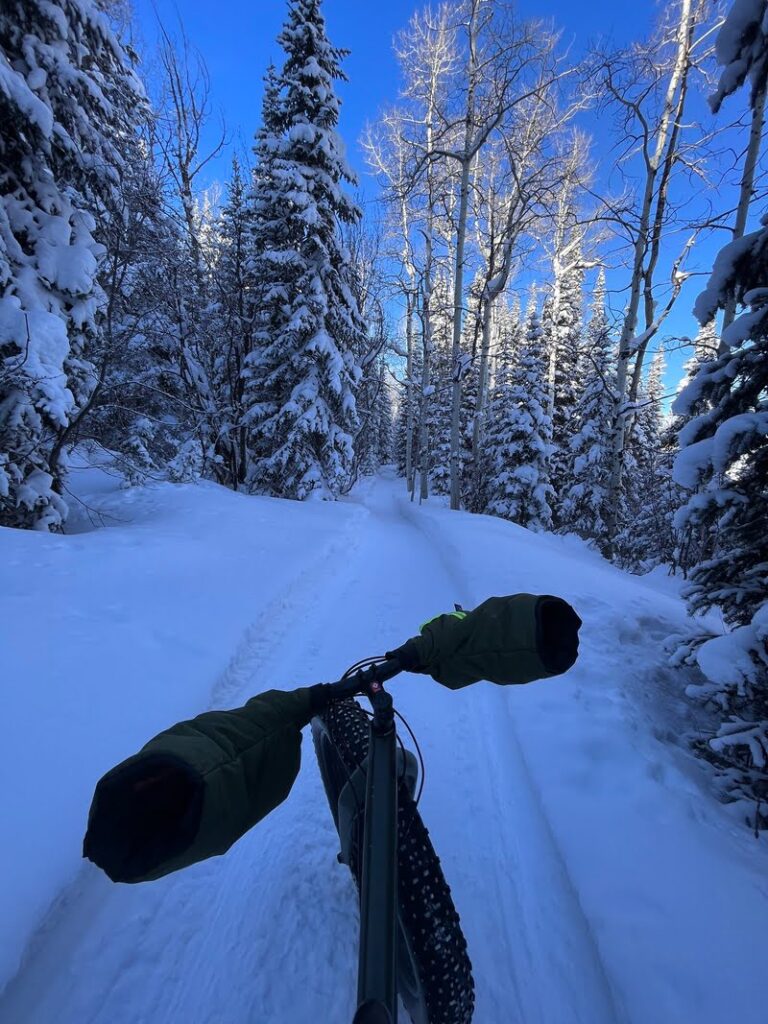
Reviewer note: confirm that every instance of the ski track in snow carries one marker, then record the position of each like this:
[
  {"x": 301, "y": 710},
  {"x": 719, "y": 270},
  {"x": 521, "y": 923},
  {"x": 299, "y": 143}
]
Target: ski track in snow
[{"x": 268, "y": 933}]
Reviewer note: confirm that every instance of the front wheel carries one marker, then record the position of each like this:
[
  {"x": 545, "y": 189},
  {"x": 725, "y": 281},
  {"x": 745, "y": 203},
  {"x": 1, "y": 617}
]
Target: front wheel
[{"x": 434, "y": 973}]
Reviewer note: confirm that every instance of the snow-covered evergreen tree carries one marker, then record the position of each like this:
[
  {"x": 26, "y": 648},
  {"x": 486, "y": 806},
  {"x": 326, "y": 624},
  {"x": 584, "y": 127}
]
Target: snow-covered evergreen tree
[
  {"x": 562, "y": 329},
  {"x": 742, "y": 51},
  {"x": 518, "y": 434},
  {"x": 399, "y": 436},
  {"x": 67, "y": 100},
  {"x": 706, "y": 342},
  {"x": 231, "y": 328},
  {"x": 649, "y": 417},
  {"x": 648, "y": 537},
  {"x": 687, "y": 550},
  {"x": 383, "y": 425},
  {"x": 375, "y": 440},
  {"x": 472, "y": 486},
  {"x": 509, "y": 332},
  {"x": 723, "y": 463},
  {"x": 499, "y": 399},
  {"x": 310, "y": 330},
  {"x": 264, "y": 296},
  {"x": 584, "y": 499}
]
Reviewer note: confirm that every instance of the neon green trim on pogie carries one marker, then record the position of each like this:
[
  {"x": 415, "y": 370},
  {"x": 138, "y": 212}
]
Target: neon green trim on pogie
[{"x": 456, "y": 615}]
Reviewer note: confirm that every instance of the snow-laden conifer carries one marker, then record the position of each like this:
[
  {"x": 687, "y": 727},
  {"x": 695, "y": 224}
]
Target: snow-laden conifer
[
  {"x": 584, "y": 503},
  {"x": 310, "y": 332},
  {"x": 518, "y": 434}
]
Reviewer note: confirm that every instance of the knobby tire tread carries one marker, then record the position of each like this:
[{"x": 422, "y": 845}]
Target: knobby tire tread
[{"x": 426, "y": 907}]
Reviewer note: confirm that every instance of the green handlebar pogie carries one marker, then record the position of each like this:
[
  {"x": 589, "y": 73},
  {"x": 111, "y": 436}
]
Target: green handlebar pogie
[{"x": 505, "y": 640}]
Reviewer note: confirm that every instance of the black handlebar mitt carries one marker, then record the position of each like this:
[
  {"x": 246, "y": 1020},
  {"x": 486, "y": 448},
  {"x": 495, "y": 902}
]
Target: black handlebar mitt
[
  {"x": 196, "y": 788},
  {"x": 144, "y": 811},
  {"x": 557, "y": 634},
  {"x": 513, "y": 639}
]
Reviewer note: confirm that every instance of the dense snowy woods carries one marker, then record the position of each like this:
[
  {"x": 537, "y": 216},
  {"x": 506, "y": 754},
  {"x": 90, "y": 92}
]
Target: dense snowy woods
[
  {"x": 194, "y": 340},
  {"x": 497, "y": 327}
]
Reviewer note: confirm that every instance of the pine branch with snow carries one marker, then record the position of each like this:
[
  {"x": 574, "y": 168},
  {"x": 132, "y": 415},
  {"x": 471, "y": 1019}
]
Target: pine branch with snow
[{"x": 60, "y": 161}]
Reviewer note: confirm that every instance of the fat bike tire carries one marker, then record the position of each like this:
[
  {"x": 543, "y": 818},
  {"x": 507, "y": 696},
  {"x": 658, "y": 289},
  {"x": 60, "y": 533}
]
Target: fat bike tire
[{"x": 434, "y": 979}]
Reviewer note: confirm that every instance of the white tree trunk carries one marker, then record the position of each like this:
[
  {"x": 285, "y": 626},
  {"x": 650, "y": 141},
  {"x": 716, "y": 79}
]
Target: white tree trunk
[
  {"x": 465, "y": 161},
  {"x": 482, "y": 382},
  {"x": 409, "y": 396},
  {"x": 745, "y": 193},
  {"x": 629, "y": 327},
  {"x": 426, "y": 322},
  {"x": 458, "y": 309}
]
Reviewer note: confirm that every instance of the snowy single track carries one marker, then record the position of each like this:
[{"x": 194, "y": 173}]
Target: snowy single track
[{"x": 268, "y": 933}]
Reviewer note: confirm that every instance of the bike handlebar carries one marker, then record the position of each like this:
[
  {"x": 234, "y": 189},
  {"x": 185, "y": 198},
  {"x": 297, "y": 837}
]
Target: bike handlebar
[{"x": 363, "y": 679}]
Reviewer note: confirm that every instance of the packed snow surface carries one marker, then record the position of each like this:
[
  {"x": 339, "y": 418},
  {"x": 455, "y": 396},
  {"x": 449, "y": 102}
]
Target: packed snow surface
[{"x": 597, "y": 879}]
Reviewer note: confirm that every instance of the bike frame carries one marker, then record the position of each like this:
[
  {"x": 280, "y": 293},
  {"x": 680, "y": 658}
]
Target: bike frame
[{"x": 377, "y": 964}]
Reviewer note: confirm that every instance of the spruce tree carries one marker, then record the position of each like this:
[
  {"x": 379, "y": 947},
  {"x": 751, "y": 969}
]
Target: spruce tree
[
  {"x": 310, "y": 332},
  {"x": 724, "y": 455},
  {"x": 375, "y": 439},
  {"x": 383, "y": 425},
  {"x": 562, "y": 329},
  {"x": 584, "y": 501},
  {"x": 373, "y": 445},
  {"x": 67, "y": 98},
  {"x": 499, "y": 398},
  {"x": 265, "y": 310},
  {"x": 509, "y": 332},
  {"x": 705, "y": 343},
  {"x": 231, "y": 328},
  {"x": 648, "y": 537},
  {"x": 399, "y": 438},
  {"x": 518, "y": 437},
  {"x": 688, "y": 547}
]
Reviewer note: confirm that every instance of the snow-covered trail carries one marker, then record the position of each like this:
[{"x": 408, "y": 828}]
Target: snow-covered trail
[{"x": 268, "y": 933}]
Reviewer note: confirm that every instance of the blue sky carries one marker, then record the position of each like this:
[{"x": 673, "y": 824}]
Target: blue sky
[{"x": 237, "y": 40}]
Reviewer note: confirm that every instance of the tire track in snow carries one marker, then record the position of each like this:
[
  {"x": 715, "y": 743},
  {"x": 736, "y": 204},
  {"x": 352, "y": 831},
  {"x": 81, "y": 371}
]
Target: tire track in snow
[{"x": 551, "y": 971}]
